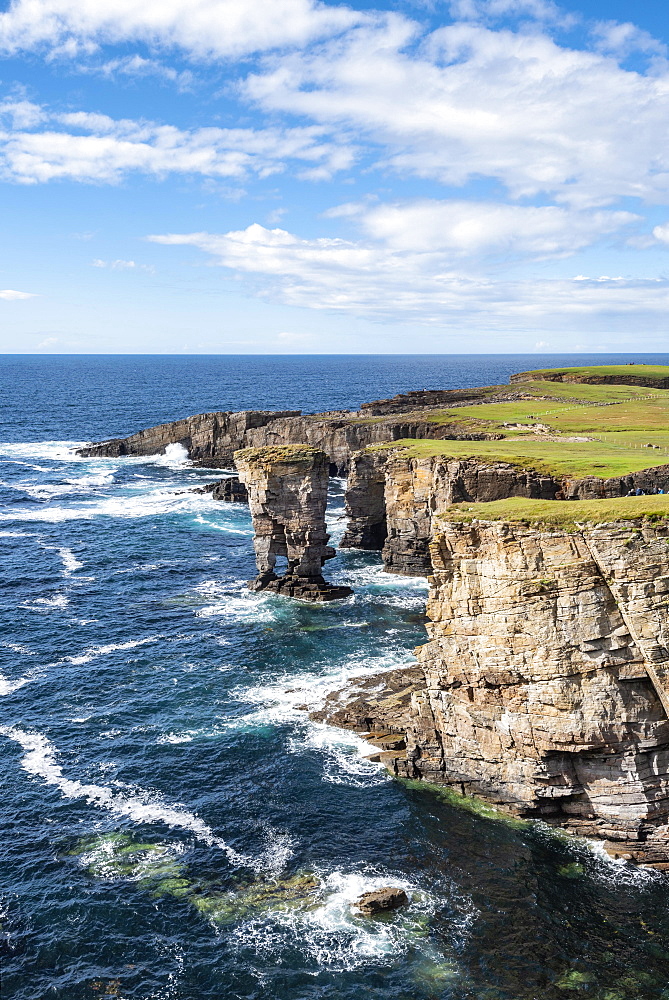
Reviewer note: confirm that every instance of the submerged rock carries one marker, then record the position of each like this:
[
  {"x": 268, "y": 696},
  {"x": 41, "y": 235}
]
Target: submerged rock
[{"x": 381, "y": 900}]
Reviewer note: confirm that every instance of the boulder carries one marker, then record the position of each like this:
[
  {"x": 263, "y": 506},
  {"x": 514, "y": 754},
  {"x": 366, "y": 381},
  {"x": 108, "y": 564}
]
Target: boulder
[{"x": 381, "y": 900}]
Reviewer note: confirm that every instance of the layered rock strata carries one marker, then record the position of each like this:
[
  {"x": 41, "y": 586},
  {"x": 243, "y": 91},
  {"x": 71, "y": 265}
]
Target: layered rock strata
[
  {"x": 631, "y": 377},
  {"x": 392, "y": 498},
  {"x": 287, "y": 490},
  {"x": 545, "y": 684},
  {"x": 211, "y": 439}
]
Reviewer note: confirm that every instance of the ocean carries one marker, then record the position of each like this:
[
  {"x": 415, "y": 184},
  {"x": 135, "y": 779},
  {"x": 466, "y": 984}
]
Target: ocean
[{"x": 174, "y": 826}]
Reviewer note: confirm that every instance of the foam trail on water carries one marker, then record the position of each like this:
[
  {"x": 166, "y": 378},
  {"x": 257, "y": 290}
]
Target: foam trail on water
[
  {"x": 95, "y": 651},
  {"x": 40, "y": 760},
  {"x": 70, "y": 562},
  {"x": 9, "y": 687}
]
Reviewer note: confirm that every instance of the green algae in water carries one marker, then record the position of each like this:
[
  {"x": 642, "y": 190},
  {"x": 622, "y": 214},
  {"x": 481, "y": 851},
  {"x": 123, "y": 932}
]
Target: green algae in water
[
  {"x": 300, "y": 891},
  {"x": 118, "y": 856},
  {"x": 468, "y": 803},
  {"x": 572, "y": 870}
]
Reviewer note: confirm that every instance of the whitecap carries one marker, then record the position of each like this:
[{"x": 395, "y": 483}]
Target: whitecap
[
  {"x": 240, "y": 603},
  {"x": 135, "y": 804},
  {"x": 112, "y": 647},
  {"x": 61, "y": 451},
  {"x": 16, "y": 647},
  {"x": 68, "y": 558},
  {"x": 332, "y": 935},
  {"x": 344, "y": 754},
  {"x": 57, "y": 601},
  {"x": 8, "y": 686},
  {"x": 223, "y": 527},
  {"x": 147, "y": 504},
  {"x": 174, "y": 457}
]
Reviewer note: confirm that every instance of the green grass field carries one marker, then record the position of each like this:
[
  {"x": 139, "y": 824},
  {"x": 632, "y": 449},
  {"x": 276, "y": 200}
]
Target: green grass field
[
  {"x": 567, "y": 515},
  {"x": 607, "y": 371},
  {"x": 558, "y": 458},
  {"x": 620, "y": 421}
]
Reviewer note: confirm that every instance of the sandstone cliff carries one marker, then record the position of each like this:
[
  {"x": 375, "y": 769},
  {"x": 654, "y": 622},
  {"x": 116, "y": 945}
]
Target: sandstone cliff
[
  {"x": 392, "y": 497},
  {"x": 287, "y": 490},
  {"x": 545, "y": 680},
  {"x": 211, "y": 439}
]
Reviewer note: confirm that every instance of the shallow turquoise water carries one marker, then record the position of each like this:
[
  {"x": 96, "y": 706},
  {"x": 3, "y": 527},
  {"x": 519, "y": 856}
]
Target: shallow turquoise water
[{"x": 161, "y": 782}]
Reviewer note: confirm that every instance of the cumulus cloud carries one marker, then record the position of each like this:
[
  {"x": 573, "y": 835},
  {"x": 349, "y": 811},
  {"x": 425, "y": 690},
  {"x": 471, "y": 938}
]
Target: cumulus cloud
[
  {"x": 381, "y": 283},
  {"x": 473, "y": 102},
  {"x": 85, "y": 146},
  {"x": 205, "y": 29},
  {"x": 469, "y": 228},
  {"x": 661, "y": 233},
  {"x": 10, "y": 295},
  {"x": 622, "y": 39}
]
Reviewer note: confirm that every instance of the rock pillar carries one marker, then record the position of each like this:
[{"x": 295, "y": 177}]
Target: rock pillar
[{"x": 287, "y": 489}]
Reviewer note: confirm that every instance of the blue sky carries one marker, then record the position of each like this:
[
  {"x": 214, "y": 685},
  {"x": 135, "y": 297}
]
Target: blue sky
[{"x": 290, "y": 176}]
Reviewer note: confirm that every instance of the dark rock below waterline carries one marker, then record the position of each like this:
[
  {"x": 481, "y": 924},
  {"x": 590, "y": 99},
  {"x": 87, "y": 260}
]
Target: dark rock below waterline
[
  {"x": 229, "y": 490},
  {"x": 301, "y": 588},
  {"x": 381, "y": 900}
]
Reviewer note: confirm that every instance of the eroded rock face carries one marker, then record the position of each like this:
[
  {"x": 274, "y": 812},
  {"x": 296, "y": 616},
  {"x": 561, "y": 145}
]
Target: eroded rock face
[
  {"x": 537, "y": 693},
  {"x": 229, "y": 490},
  {"x": 391, "y": 500},
  {"x": 287, "y": 490},
  {"x": 209, "y": 438},
  {"x": 545, "y": 685}
]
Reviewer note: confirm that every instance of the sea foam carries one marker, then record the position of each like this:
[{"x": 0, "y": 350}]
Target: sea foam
[{"x": 137, "y": 805}]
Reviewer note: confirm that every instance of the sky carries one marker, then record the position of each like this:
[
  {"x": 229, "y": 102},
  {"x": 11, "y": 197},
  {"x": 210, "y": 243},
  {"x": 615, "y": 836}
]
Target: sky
[{"x": 293, "y": 176}]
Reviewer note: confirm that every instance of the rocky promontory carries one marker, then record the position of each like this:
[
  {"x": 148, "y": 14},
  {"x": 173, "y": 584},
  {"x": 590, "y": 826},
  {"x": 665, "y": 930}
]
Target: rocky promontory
[{"x": 539, "y": 512}]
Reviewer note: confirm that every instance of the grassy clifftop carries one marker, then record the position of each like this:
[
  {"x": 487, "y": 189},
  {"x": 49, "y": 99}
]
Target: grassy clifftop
[
  {"x": 656, "y": 376},
  {"x": 571, "y": 430},
  {"x": 566, "y": 515}
]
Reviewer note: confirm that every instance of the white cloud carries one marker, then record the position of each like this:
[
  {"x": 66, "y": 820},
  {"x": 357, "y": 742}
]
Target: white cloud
[
  {"x": 622, "y": 39},
  {"x": 137, "y": 67},
  {"x": 516, "y": 107},
  {"x": 383, "y": 284},
  {"x": 480, "y": 228},
  {"x": 10, "y": 295},
  {"x": 86, "y": 146},
  {"x": 115, "y": 265},
  {"x": 536, "y": 10},
  {"x": 661, "y": 233},
  {"x": 206, "y": 29}
]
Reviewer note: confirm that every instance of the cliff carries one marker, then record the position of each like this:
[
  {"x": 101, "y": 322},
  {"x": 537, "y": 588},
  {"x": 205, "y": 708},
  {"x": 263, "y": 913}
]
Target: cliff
[
  {"x": 653, "y": 376},
  {"x": 545, "y": 680},
  {"x": 211, "y": 439},
  {"x": 392, "y": 497},
  {"x": 287, "y": 490}
]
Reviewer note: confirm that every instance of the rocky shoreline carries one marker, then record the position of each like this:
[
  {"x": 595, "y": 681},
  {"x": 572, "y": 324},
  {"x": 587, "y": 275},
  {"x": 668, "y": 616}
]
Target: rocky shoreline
[{"x": 544, "y": 684}]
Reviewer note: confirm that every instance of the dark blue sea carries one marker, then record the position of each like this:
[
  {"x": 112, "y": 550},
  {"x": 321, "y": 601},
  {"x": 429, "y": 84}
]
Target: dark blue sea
[{"x": 173, "y": 825}]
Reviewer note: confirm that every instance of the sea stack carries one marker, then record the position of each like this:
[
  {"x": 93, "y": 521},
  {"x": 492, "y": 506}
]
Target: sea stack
[{"x": 287, "y": 489}]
